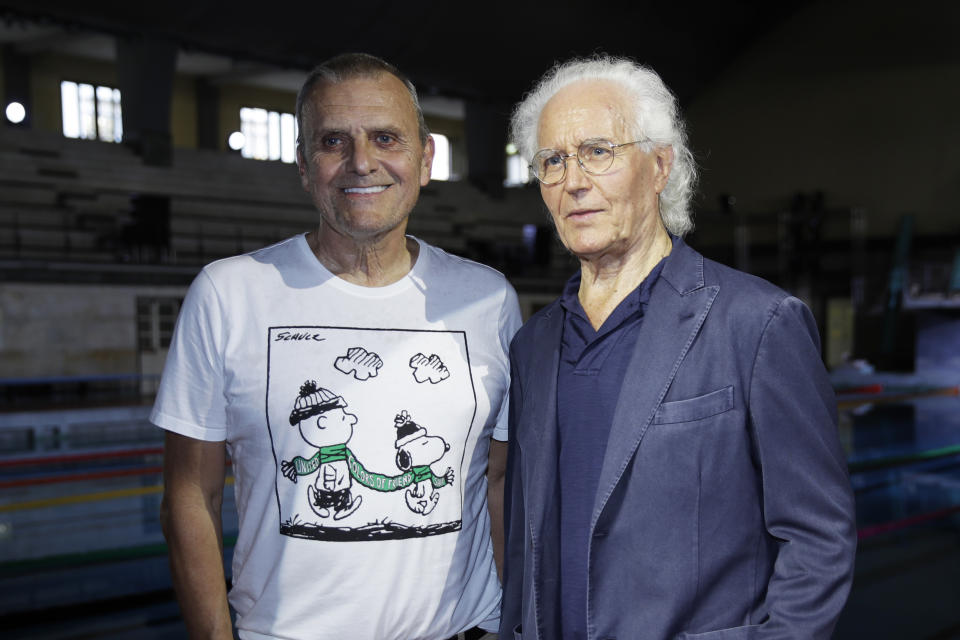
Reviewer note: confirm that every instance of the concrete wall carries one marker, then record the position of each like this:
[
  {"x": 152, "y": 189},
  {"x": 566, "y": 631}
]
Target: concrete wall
[
  {"x": 857, "y": 99},
  {"x": 50, "y": 330}
]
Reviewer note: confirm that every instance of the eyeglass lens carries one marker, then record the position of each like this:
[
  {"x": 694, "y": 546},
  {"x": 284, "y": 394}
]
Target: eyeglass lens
[{"x": 595, "y": 156}]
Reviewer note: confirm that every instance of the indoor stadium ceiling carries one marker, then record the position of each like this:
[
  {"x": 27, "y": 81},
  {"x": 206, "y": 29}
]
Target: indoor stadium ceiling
[{"x": 486, "y": 51}]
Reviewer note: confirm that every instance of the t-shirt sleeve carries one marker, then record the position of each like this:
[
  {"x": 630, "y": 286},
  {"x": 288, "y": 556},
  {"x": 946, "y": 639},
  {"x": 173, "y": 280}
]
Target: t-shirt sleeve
[
  {"x": 510, "y": 321},
  {"x": 190, "y": 400}
]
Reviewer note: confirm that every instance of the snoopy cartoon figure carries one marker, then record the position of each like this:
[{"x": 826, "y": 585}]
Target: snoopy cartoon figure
[
  {"x": 326, "y": 426},
  {"x": 416, "y": 451}
]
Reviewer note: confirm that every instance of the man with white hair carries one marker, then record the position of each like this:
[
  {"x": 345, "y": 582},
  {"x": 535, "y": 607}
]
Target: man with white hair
[{"x": 674, "y": 468}]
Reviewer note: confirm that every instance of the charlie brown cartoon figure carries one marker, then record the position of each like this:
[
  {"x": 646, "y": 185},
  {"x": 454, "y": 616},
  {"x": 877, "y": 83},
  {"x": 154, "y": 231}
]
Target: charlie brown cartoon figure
[{"x": 326, "y": 426}]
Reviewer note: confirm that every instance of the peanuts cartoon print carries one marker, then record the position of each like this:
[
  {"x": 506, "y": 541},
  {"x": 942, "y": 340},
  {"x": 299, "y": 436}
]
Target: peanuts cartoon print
[{"x": 369, "y": 428}]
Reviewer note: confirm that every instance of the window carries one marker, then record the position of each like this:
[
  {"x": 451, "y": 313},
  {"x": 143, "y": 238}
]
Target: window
[
  {"x": 91, "y": 113},
  {"x": 441, "y": 157},
  {"x": 155, "y": 320},
  {"x": 268, "y": 135},
  {"x": 518, "y": 173}
]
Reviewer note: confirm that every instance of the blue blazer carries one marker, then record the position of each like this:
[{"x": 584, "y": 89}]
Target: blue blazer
[{"x": 723, "y": 509}]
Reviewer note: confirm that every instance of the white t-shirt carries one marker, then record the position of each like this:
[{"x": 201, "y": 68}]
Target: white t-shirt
[{"x": 358, "y": 421}]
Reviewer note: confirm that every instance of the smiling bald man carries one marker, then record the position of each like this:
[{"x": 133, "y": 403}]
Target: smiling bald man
[{"x": 301, "y": 361}]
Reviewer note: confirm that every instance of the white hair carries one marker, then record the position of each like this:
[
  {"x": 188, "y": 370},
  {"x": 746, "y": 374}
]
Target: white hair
[{"x": 656, "y": 118}]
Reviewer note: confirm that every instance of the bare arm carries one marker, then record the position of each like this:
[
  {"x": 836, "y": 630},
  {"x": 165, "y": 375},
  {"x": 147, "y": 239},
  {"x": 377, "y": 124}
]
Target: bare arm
[
  {"x": 496, "y": 471},
  {"x": 193, "y": 477}
]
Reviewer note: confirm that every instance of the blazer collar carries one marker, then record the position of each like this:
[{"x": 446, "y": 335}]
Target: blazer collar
[{"x": 684, "y": 268}]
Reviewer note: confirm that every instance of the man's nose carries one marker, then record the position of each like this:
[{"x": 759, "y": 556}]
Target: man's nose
[
  {"x": 363, "y": 158},
  {"x": 576, "y": 178}
]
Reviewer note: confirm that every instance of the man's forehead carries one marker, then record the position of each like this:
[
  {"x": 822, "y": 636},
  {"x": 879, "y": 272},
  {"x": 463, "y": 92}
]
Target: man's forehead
[
  {"x": 590, "y": 97},
  {"x": 368, "y": 100},
  {"x": 378, "y": 98},
  {"x": 584, "y": 110},
  {"x": 349, "y": 116}
]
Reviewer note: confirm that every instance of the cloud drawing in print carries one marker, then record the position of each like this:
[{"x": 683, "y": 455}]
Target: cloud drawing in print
[
  {"x": 431, "y": 368},
  {"x": 361, "y": 363}
]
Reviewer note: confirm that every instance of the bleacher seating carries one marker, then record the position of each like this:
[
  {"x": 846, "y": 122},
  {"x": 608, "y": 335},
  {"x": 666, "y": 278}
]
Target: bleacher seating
[{"x": 74, "y": 200}]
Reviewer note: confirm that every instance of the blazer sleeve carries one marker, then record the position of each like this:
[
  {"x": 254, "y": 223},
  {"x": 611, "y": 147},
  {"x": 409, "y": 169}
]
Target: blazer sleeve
[
  {"x": 514, "y": 516},
  {"x": 807, "y": 498}
]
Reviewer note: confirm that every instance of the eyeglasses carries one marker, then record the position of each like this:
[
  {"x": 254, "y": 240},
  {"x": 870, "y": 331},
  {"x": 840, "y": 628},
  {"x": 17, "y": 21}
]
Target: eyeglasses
[{"x": 549, "y": 166}]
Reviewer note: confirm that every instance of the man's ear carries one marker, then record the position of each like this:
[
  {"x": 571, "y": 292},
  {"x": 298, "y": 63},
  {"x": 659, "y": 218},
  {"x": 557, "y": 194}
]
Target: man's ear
[
  {"x": 302, "y": 165},
  {"x": 426, "y": 163},
  {"x": 664, "y": 156}
]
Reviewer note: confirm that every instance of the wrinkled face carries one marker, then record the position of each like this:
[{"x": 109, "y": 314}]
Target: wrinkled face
[
  {"x": 361, "y": 159},
  {"x": 609, "y": 214},
  {"x": 334, "y": 426}
]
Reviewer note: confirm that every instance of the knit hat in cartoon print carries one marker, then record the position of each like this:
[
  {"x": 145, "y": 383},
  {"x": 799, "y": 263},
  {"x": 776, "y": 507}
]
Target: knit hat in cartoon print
[
  {"x": 407, "y": 429},
  {"x": 313, "y": 400}
]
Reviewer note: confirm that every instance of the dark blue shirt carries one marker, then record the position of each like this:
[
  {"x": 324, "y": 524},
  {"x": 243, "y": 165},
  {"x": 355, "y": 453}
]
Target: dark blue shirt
[{"x": 592, "y": 367}]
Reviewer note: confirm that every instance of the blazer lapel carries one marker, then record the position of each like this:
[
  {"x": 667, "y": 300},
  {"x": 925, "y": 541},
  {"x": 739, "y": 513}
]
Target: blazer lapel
[
  {"x": 676, "y": 311},
  {"x": 539, "y": 412},
  {"x": 539, "y": 446}
]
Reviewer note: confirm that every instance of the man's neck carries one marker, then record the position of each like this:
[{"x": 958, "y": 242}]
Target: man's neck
[
  {"x": 604, "y": 284},
  {"x": 374, "y": 263}
]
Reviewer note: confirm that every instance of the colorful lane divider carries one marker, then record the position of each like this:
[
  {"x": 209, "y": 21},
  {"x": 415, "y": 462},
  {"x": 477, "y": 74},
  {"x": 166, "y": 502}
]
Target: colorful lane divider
[
  {"x": 80, "y": 477},
  {"x": 861, "y": 389},
  {"x": 97, "y": 496},
  {"x": 878, "y": 394},
  {"x": 80, "y": 457},
  {"x": 896, "y": 525},
  {"x": 874, "y": 464},
  {"x": 21, "y": 464}
]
